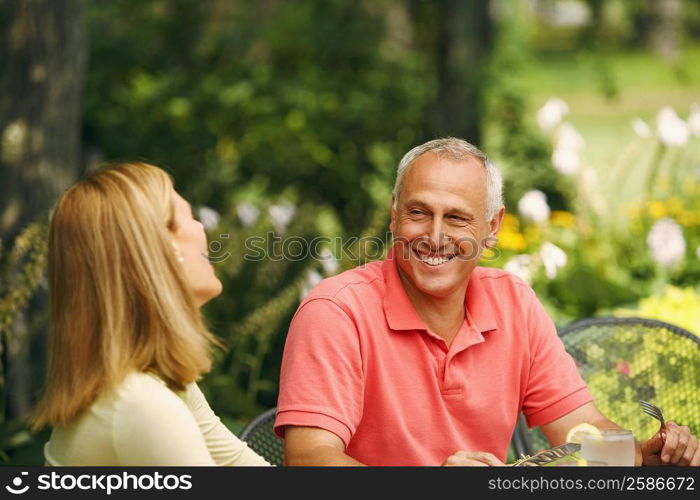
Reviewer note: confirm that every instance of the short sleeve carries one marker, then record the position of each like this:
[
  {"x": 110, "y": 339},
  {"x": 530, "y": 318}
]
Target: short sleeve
[
  {"x": 554, "y": 386},
  {"x": 153, "y": 427},
  {"x": 225, "y": 448},
  {"x": 321, "y": 379}
]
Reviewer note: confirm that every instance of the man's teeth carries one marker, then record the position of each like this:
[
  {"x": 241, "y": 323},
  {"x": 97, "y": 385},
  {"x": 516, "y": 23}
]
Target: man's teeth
[{"x": 434, "y": 261}]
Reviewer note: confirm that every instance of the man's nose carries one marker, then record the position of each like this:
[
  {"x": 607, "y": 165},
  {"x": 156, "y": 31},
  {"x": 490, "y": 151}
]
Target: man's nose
[{"x": 436, "y": 235}]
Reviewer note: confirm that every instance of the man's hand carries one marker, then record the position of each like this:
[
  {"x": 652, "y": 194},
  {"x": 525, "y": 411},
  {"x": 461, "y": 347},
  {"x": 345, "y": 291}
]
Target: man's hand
[
  {"x": 674, "y": 445},
  {"x": 472, "y": 458}
]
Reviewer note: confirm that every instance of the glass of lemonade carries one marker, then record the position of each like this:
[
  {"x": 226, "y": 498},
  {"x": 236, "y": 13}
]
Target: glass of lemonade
[{"x": 612, "y": 447}]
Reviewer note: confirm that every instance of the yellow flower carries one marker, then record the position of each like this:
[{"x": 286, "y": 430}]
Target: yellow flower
[
  {"x": 510, "y": 221},
  {"x": 675, "y": 204},
  {"x": 686, "y": 218},
  {"x": 563, "y": 218},
  {"x": 657, "y": 209},
  {"x": 510, "y": 237},
  {"x": 511, "y": 240}
]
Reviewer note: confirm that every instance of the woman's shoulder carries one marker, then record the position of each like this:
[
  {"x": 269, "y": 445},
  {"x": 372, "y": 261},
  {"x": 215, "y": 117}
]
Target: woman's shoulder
[
  {"x": 144, "y": 391},
  {"x": 138, "y": 381}
]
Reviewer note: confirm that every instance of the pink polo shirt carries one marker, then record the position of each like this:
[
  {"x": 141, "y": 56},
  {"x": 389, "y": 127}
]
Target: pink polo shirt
[{"x": 360, "y": 363}]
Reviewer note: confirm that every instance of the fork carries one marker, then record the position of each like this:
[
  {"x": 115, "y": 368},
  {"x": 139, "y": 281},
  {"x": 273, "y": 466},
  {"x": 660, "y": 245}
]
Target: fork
[{"x": 653, "y": 411}]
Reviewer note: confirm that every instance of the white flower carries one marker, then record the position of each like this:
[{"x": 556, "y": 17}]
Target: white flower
[
  {"x": 566, "y": 161},
  {"x": 553, "y": 258},
  {"x": 641, "y": 128},
  {"x": 666, "y": 242},
  {"x": 329, "y": 263},
  {"x": 569, "y": 138},
  {"x": 281, "y": 215},
  {"x": 671, "y": 129},
  {"x": 590, "y": 176},
  {"x": 313, "y": 278},
  {"x": 520, "y": 265},
  {"x": 209, "y": 217},
  {"x": 551, "y": 114},
  {"x": 567, "y": 144},
  {"x": 533, "y": 206},
  {"x": 694, "y": 119},
  {"x": 248, "y": 213}
]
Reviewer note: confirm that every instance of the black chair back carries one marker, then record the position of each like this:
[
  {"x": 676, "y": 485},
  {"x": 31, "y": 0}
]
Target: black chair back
[{"x": 262, "y": 439}]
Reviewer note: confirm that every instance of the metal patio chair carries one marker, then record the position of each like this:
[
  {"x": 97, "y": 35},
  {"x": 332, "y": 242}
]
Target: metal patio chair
[
  {"x": 624, "y": 360},
  {"x": 262, "y": 439}
]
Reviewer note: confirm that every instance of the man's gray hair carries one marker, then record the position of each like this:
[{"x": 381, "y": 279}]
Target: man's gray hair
[{"x": 456, "y": 150}]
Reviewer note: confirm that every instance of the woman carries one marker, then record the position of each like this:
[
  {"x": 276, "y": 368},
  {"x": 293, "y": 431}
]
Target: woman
[{"x": 128, "y": 272}]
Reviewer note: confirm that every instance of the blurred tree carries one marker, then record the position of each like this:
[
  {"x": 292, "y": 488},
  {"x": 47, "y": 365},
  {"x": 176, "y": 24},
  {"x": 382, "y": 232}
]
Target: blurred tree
[
  {"x": 665, "y": 28},
  {"x": 457, "y": 35},
  {"x": 595, "y": 40},
  {"x": 41, "y": 67}
]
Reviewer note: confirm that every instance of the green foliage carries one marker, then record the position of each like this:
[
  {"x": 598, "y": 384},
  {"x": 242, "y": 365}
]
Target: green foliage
[
  {"x": 246, "y": 94},
  {"x": 21, "y": 271},
  {"x": 678, "y": 306}
]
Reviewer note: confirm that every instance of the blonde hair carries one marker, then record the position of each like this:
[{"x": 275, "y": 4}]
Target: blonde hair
[{"x": 119, "y": 299}]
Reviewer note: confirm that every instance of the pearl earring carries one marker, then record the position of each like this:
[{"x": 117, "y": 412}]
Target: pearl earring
[{"x": 181, "y": 259}]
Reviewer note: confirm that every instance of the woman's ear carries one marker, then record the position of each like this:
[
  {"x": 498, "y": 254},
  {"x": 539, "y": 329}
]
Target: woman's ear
[{"x": 178, "y": 253}]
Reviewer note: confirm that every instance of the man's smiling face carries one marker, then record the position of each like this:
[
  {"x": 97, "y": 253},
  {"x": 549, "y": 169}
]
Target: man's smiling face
[{"x": 440, "y": 223}]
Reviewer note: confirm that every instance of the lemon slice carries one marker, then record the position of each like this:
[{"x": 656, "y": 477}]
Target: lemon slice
[{"x": 577, "y": 432}]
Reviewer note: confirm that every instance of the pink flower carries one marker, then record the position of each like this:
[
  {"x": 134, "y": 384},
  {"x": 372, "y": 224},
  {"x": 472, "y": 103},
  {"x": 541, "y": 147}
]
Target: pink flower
[{"x": 623, "y": 368}]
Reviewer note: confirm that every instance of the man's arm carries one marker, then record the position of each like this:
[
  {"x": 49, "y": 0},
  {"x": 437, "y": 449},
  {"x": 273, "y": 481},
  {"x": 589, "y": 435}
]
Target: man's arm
[
  {"x": 311, "y": 446},
  {"x": 676, "y": 447},
  {"x": 556, "y": 431}
]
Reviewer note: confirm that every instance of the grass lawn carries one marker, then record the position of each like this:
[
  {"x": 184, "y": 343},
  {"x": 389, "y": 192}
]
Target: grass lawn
[{"x": 644, "y": 83}]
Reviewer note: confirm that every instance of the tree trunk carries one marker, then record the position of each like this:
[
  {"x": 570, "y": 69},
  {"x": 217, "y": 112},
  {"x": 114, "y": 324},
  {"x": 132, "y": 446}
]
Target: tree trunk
[
  {"x": 41, "y": 77},
  {"x": 666, "y": 28},
  {"x": 462, "y": 43}
]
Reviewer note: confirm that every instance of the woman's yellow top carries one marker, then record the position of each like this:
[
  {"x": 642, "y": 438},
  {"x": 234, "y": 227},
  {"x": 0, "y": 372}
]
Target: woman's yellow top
[{"x": 143, "y": 422}]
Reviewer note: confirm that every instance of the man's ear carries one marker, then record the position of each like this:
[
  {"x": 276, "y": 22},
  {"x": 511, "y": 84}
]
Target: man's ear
[{"x": 494, "y": 227}]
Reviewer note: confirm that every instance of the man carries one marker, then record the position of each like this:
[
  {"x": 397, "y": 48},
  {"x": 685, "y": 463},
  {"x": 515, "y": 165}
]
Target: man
[{"x": 425, "y": 358}]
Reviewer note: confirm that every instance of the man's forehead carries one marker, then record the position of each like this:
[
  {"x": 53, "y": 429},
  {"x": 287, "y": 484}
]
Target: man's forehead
[
  {"x": 459, "y": 177},
  {"x": 445, "y": 156}
]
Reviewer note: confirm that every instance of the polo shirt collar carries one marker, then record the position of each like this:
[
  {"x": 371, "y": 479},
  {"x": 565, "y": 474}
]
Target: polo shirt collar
[
  {"x": 398, "y": 309},
  {"x": 478, "y": 305},
  {"x": 401, "y": 315}
]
